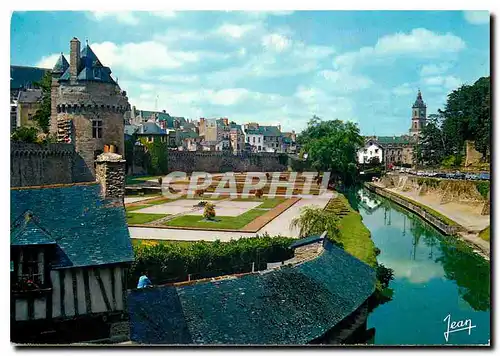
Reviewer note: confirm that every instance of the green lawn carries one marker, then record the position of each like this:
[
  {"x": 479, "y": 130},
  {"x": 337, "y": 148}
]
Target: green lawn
[
  {"x": 131, "y": 180},
  {"x": 138, "y": 218},
  {"x": 485, "y": 234},
  {"x": 267, "y": 203},
  {"x": 353, "y": 233},
  {"x": 224, "y": 222}
]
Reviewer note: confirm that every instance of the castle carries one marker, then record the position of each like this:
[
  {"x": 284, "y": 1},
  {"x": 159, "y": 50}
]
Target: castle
[{"x": 87, "y": 108}]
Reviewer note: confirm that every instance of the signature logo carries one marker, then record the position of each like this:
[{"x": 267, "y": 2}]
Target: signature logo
[{"x": 454, "y": 326}]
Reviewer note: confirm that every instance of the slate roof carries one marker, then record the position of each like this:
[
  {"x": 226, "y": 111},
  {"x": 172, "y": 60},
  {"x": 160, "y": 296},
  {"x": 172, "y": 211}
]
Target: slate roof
[
  {"x": 187, "y": 134},
  {"x": 61, "y": 65},
  {"x": 264, "y": 130},
  {"x": 26, "y": 230},
  {"x": 130, "y": 129},
  {"x": 25, "y": 77},
  {"x": 91, "y": 68},
  {"x": 393, "y": 139},
  {"x": 289, "y": 306},
  {"x": 306, "y": 241},
  {"x": 150, "y": 128},
  {"x": 419, "y": 102},
  {"x": 29, "y": 96},
  {"x": 88, "y": 229}
]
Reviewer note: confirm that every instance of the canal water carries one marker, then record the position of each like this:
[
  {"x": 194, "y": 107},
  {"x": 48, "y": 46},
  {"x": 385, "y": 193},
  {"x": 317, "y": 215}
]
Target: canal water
[{"x": 434, "y": 276}]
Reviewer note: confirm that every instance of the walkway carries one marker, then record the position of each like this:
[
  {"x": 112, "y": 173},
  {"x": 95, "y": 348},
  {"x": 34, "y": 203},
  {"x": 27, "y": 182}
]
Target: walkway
[{"x": 279, "y": 226}]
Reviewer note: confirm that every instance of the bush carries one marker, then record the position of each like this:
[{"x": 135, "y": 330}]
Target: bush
[
  {"x": 209, "y": 212},
  {"x": 25, "y": 134},
  {"x": 259, "y": 193},
  {"x": 169, "y": 261},
  {"x": 483, "y": 188},
  {"x": 384, "y": 274}
]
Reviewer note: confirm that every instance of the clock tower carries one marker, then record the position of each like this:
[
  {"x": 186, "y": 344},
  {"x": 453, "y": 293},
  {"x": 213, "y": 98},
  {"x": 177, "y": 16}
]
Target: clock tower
[{"x": 419, "y": 116}]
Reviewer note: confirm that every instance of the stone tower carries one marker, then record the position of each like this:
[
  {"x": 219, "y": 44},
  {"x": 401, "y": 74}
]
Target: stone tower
[
  {"x": 87, "y": 108},
  {"x": 418, "y": 116}
]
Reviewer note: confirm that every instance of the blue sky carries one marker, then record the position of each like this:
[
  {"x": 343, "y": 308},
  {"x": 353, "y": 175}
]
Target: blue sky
[{"x": 273, "y": 67}]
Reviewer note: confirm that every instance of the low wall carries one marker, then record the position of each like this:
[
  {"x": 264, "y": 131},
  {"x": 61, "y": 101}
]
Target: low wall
[
  {"x": 32, "y": 164},
  {"x": 442, "y": 226},
  {"x": 214, "y": 162}
]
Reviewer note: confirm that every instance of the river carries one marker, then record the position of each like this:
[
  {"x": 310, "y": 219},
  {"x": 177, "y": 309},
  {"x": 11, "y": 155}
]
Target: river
[{"x": 434, "y": 276}]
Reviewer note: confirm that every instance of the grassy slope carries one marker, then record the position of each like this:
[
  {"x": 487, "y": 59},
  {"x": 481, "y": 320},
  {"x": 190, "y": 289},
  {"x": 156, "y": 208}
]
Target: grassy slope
[
  {"x": 485, "y": 234},
  {"x": 138, "y": 218},
  {"x": 354, "y": 235}
]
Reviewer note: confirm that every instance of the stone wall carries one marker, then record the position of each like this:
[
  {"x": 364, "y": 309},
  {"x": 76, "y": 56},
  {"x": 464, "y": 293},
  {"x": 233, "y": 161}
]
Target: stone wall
[
  {"x": 33, "y": 164},
  {"x": 438, "y": 223},
  {"x": 110, "y": 172},
  {"x": 214, "y": 162}
]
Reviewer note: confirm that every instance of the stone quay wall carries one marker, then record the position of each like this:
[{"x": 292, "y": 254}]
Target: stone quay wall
[
  {"x": 441, "y": 225},
  {"x": 215, "y": 162},
  {"x": 33, "y": 164}
]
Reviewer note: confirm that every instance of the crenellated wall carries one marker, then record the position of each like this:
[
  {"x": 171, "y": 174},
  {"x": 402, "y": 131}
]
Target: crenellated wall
[
  {"x": 33, "y": 164},
  {"x": 215, "y": 162}
]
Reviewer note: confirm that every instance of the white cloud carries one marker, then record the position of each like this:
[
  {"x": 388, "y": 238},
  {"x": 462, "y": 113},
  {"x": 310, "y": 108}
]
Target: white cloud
[
  {"x": 442, "y": 83},
  {"x": 236, "y": 31},
  {"x": 178, "y": 78},
  {"x": 276, "y": 42},
  {"x": 419, "y": 43},
  {"x": 403, "y": 90},
  {"x": 49, "y": 61},
  {"x": 434, "y": 69},
  {"x": 345, "y": 81},
  {"x": 126, "y": 17},
  {"x": 477, "y": 17}
]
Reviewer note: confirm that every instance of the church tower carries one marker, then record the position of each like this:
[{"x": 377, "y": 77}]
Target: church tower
[
  {"x": 88, "y": 108},
  {"x": 418, "y": 116}
]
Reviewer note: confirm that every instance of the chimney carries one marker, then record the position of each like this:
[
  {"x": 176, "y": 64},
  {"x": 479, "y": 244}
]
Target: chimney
[
  {"x": 74, "y": 57},
  {"x": 110, "y": 173}
]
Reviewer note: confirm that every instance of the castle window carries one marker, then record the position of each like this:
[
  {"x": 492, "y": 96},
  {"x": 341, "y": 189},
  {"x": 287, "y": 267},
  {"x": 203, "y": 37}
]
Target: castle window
[{"x": 96, "y": 128}]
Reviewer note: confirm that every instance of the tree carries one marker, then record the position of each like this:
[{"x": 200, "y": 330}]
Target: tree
[
  {"x": 332, "y": 146},
  {"x": 157, "y": 157},
  {"x": 42, "y": 115},
  {"x": 25, "y": 134},
  {"x": 314, "y": 221},
  {"x": 466, "y": 116}
]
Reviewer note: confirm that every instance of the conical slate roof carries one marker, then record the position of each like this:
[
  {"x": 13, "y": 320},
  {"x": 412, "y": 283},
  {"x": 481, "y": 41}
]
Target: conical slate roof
[
  {"x": 61, "y": 65},
  {"x": 419, "y": 103},
  {"x": 88, "y": 58}
]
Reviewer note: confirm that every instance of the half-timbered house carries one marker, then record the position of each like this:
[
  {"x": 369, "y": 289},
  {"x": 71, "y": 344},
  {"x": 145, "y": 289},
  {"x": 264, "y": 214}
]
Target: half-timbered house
[{"x": 70, "y": 249}]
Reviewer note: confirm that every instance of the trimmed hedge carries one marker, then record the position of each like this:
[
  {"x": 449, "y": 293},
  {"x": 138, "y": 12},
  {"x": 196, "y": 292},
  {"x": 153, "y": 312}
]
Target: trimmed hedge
[{"x": 169, "y": 261}]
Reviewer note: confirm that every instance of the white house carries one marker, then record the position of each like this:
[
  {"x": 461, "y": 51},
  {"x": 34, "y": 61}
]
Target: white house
[{"x": 369, "y": 151}]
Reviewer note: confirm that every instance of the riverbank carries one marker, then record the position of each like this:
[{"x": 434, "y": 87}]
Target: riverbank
[{"x": 440, "y": 217}]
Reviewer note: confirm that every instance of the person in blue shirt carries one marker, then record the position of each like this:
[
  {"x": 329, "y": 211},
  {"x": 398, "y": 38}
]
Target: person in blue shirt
[{"x": 144, "y": 281}]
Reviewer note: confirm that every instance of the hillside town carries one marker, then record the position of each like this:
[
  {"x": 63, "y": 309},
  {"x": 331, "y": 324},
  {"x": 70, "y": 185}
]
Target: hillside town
[{"x": 148, "y": 227}]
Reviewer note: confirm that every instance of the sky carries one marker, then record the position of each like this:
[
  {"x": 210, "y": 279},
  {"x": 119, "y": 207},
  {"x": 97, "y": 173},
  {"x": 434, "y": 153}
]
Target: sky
[{"x": 273, "y": 67}]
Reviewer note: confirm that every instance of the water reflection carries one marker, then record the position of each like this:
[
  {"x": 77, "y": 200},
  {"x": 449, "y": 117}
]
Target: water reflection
[{"x": 434, "y": 275}]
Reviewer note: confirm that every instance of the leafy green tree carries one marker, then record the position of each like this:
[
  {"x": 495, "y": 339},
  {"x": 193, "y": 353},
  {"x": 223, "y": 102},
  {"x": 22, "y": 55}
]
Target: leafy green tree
[
  {"x": 156, "y": 160},
  {"x": 42, "y": 115},
  {"x": 25, "y": 134},
  {"x": 332, "y": 146},
  {"x": 467, "y": 116},
  {"x": 314, "y": 221}
]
